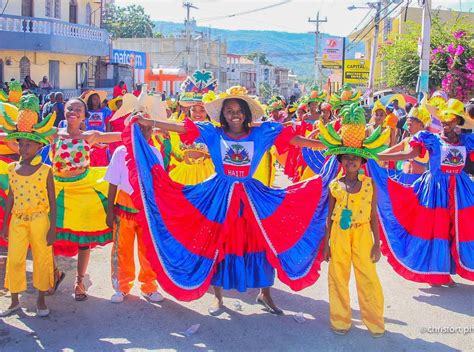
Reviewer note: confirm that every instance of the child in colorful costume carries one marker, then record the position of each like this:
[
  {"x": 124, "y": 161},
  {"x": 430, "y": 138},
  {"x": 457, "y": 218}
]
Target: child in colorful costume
[
  {"x": 80, "y": 191},
  {"x": 426, "y": 227},
  {"x": 31, "y": 204},
  {"x": 419, "y": 119},
  {"x": 352, "y": 219},
  {"x": 191, "y": 164},
  {"x": 122, "y": 216},
  {"x": 97, "y": 121},
  {"x": 237, "y": 234}
]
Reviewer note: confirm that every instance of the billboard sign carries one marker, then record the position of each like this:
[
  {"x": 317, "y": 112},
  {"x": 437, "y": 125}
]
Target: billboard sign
[
  {"x": 136, "y": 59},
  {"x": 356, "y": 72}
]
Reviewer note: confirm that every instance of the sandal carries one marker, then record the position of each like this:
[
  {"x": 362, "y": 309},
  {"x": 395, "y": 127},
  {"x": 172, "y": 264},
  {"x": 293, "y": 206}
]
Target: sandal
[
  {"x": 59, "y": 279},
  {"x": 80, "y": 293},
  {"x": 273, "y": 310}
]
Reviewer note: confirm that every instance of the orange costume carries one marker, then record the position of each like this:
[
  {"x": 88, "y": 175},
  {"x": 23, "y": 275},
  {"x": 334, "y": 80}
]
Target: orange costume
[{"x": 126, "y": 229}]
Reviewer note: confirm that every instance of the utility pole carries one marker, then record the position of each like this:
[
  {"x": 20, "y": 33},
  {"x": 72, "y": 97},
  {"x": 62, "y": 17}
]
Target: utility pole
[
  {"x": 317, "y": 61},
  {"x": 424, "y": 74},
  {"x": 373, "y": 55},
  {"x": 187, "y": 26}
]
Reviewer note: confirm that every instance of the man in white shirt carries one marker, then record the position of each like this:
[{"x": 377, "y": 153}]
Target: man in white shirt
[{"x": 122, "y": 217}]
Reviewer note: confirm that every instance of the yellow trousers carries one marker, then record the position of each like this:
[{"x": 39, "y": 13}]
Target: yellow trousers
[
  {"x": 123, "y": 263},
  {"x": 354, "y": 244},
  {"x": 23, "y": 232}
]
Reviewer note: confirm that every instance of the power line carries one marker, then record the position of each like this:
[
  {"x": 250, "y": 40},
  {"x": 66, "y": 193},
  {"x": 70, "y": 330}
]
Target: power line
[
  {"x": 212, "y": 19},
  {"x": 352, "y": 44},
  {"x": 365, "y": 27}
]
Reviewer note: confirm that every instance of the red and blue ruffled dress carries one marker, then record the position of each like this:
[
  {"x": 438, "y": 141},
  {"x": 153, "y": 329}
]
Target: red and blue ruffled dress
[
  {"x": 230, "y": 230},
  {"x": 426, "y": 227}
]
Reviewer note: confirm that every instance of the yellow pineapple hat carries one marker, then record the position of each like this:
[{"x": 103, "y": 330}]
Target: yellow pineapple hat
[
  {"x": 14, "y": 93},
  {"x": 316, "y": 95},
  {"x": 351, "y": 138},
  {"x": 345, "y": 96},
  {"x": 22, "y": 122}
]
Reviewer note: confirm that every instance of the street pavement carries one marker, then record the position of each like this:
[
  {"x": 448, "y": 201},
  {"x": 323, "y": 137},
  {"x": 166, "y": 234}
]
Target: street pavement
[{"x": 418, "y": 318}]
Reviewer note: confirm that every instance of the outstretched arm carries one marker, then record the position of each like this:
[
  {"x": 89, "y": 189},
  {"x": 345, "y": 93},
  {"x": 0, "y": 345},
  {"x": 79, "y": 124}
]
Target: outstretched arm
[
  {"x": 173, "y": 126},
  {"x": 301, "y": 141},
  {"x": 411, "y": 153}
]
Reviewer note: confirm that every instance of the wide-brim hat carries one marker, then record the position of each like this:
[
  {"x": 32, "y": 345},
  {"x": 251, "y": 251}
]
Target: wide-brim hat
[
  {"x": 28, "y": 135},
  {"x": 113, "y": 103},
  {"x": 360, "y": 152},
  {"x": 101, "y": 93},
  {"x": 455, "y": 107},
  {"x": 214, "y": 107},
  {"x": 151, "y": 104}
]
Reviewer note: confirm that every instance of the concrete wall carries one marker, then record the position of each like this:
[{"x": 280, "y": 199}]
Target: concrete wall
[
  {"x": 40, "y": 66},
  {"x": 39, "y": 9}
]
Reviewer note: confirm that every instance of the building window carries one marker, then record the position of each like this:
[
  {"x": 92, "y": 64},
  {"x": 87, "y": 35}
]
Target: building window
[
  {"x": 73, "y": 11},
  {"x": 48, "y": 8},
  {"x": 57, "y": 8},
  {"x": 88, "y": 14},
  {"x": 25, "y": 68},
  {"x": 27, "y": 8}
]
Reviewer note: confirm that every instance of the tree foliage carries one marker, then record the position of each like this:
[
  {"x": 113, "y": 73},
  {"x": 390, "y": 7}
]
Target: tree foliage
[
  {"x": 400, "y": 52},
  {"x": 128, "y": 22},
  {"x": 262, "y": 58}
]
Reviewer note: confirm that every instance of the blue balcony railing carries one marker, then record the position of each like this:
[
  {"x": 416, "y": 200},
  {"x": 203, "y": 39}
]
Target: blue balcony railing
[{"x": 43, "y": 34}]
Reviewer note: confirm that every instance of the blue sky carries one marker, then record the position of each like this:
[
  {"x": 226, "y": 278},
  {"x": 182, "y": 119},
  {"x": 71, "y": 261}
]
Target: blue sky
[{"x": 289, "y": 17}]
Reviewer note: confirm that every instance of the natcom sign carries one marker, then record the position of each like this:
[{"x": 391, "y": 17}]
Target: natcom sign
[
  {"x": 356, "y": 72},
  {"x": 136, "y": 59}
]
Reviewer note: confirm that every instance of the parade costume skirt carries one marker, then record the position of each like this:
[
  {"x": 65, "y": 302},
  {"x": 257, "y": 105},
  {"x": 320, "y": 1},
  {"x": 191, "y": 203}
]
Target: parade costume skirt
[
  {"x": 191, "y": 174},
  {"x": 231, "y": 232},
  {"x": 314, "y": 161},
  {"x": 82, "y": 209},
  {"x": 426, "y": 228},
  {"x": 3, "y": 192}
]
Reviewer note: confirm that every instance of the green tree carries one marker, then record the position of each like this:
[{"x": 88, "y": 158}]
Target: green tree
[
  {"x": 128, "y": 22},
  {"x": 262, "y": 58},
  {"x": 400, "y": 52}
]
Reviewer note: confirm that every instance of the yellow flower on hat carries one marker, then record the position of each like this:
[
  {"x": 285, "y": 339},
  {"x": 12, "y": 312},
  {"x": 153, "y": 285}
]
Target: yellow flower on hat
[
  {"x": 449, "y": 111},
  {"x": 209, "y": 96},
  {"x": 421, "y": 113},
  {"x": 237, "y": 90}
]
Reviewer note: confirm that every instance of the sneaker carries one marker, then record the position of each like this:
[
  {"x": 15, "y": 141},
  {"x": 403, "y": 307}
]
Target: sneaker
[
  {"x": 117, "y": 297},
  {"x": 153, "y": 296}
]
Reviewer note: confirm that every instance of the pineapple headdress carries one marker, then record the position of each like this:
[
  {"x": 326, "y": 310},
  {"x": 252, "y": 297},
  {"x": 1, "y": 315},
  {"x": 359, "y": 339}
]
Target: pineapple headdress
[
  {"x": 23, "y": 122},
  {"x": 275, "y": 103},
  {"x": 14, "y": 94},
  {"x": 345, "y": 96},
  {"x": 195, "y": 86},
  {"x": 316, "y": 96},
  {"x": 351, "y": 139}
]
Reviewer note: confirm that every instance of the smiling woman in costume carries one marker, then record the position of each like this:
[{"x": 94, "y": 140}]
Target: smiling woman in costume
[{"x": 240, "y": 230}]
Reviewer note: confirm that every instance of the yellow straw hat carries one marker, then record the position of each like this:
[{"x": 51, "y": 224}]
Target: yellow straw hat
[
  {"x": 213, "y": 104},
  {"x": 113, "y": 103},
  {"x": 101, "y": 93}
]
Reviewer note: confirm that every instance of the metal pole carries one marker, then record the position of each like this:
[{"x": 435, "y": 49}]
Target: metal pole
[
  {"x": 343, "y": 59},
  {"x": 187, "y": 25},
  {"x": 424, "y": 73},
  {"x": 317, "y": 61},
  {"x": 373, "y": 54}
]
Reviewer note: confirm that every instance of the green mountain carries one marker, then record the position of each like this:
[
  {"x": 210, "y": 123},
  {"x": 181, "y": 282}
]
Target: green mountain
[{"x": 291, "y": 50}]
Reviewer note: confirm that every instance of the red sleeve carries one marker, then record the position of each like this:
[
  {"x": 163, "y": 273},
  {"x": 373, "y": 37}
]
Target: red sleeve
[
  {"x": 116, "y": 91},
  {"x": 420, "y": 144},
  {"x": 282, "y": 142},
  {"x": 471, "y": 156},
  {"x": 191, "y": 134}
]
